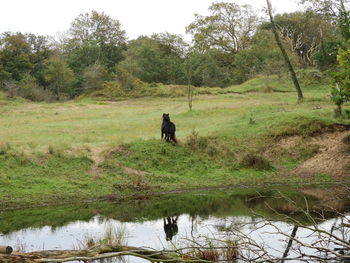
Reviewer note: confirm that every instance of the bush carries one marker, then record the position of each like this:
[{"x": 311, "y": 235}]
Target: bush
[
  {"x": 28, "y": 88},
  {"x": 311, "y": 76},
  {"x": 340, "y": 90},
  {"x": 94, "y": 76},
  {"x": 127, "y": 80},
  {"x": 112, "y": 89},
  {"x": 203, "y": 144},
  {"x": 255, "y": 161},
  {"x": 4, "y": 148},
  {"x": 211, "y": 255}
]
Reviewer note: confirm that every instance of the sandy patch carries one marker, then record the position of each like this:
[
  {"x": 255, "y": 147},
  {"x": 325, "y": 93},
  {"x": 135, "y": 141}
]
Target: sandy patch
[
  {"x": 333, "y": 157},
  {"x": 96, "y": 155}
]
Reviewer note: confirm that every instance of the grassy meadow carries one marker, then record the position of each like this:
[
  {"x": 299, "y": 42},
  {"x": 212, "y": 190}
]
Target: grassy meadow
[{"x": 93, "y": 148}]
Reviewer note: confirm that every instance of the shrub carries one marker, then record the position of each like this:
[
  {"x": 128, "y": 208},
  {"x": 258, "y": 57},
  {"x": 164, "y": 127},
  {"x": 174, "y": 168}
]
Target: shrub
[
  {"x": 127, "y": 80},
  {"x": 340, "y": 90},
  {"x": 51, "y": 150},
  {"x": 112, "y": 89},
  {"x": 94, "y": 76},
  {"x": 28, "y": 88},
  {"x": 311, "y": 76},
  {"x": 211, "y": 255},
  {"x": 4, "y": 148},
  {"x": 255, "y": 161},
  {"x": 134, "y": 182}
]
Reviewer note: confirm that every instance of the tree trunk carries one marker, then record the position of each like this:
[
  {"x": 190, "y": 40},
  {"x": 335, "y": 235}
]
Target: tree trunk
[
  {"x": 189, "y": 87},
  {"x": 190, "y": 96},
  {"x": 290, "y": 242},
  {"x": 284, "y": 53}
]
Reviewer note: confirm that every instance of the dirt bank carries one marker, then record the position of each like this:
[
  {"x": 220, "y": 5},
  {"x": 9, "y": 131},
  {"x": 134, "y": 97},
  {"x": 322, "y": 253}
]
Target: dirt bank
[{"x": 332, "y": 157}]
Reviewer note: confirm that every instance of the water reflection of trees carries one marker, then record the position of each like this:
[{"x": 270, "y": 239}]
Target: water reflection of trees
[{"x": 298, "y": 232}]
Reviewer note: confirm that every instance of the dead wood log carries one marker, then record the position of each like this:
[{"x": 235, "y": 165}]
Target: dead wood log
[
  {"x": 6, "y": 249},
  {"x": 94, "y": 253}
]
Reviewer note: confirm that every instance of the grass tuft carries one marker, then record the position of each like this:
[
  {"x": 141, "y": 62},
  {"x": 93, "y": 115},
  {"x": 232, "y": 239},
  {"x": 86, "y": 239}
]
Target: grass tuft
[
  {"x": 255, "y": 161},
  {"x": 4, "y": 148}
]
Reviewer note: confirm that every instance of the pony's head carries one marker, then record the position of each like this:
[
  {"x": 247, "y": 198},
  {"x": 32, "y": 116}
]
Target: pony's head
[{"x": 166, "y": 117}]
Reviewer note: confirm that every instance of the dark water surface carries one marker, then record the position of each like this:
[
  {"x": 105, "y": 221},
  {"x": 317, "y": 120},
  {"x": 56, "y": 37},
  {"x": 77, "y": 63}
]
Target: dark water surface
[{"x": 168, "y": 221}]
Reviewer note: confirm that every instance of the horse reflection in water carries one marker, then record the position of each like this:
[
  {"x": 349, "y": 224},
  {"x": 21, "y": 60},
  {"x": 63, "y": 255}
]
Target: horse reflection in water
[{"x": 170, "y": 227}]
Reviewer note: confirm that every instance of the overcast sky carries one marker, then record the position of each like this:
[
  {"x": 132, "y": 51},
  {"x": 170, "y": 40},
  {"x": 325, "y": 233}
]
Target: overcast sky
[{"x": 138, "y": 17}]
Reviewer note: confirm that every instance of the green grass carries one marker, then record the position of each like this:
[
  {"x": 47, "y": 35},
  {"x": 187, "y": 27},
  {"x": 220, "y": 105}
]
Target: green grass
[{"x": 46, "y": 150}]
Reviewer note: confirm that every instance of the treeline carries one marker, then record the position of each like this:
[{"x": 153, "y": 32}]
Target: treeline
[{"x": 229, "y": 46}]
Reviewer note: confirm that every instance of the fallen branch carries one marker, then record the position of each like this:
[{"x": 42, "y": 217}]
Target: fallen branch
[{"x": 99, "y": 252}]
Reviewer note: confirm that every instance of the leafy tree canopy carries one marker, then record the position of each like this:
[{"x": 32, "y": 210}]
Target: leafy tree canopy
[{"x": 229, "y": 27}]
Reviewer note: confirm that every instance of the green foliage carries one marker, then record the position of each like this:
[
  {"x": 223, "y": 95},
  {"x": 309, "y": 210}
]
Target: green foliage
[
  {"x": 263, "y": 57},
  {"x": 15, "y": 56},
  {"x": 313, "y": 76},
  {"x": 127, "y": 81},
  {"x": 29, "y": 88},
  {"x": 94, "y": 76},
  {"x": 228, "y": 27},
  {"x": 255, "y": 161},
  {"x": 101, "y": 32},
  {"x": 326, "y": 55},
  {"x": 340, "y": 90},
  {"x": 59, "y": 76},
  {"x": 157, "y": 58},
  {"x": 209, "y": 69},
  {"x": 337, "y": 11},
  {"x": 305, "y": 32},
  {"x": 344, "y": 23}
]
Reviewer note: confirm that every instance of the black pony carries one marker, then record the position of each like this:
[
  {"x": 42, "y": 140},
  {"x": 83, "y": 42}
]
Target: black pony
[{"x": 168, "y": 128}]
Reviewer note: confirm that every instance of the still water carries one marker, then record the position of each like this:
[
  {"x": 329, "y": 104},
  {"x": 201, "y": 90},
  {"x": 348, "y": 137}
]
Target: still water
[{"x": 267, "y": 217}]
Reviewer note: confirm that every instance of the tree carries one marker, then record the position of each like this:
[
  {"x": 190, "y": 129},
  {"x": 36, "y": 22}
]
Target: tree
[
  {"x": 59, "y": 76},
  {"x": 145, "y": 60},
  {"x": 157, "y": 58},
  {"x": 100, "y": 36},
  {"x": 284, "y": 53},
  {"x": 229, "y": 27},
  {"x": 262, "y": 57},
  {"x": 94, "y": 76},
  {"x": 337, "y": 11},
  {"x": 212, "y": 68},
  {"x": 41, "y": 50},
  {"x": 340, "y": 92},
  {"x": 175, "y": 50},
  {"x": 15, "y": 56},
  {"x": 304, "y": 33}
]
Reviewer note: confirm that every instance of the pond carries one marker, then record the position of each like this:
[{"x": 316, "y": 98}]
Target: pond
[{"x": 261, "y": 221}]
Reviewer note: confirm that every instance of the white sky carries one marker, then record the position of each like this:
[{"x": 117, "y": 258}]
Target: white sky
[{"x": 137, "y": 17}]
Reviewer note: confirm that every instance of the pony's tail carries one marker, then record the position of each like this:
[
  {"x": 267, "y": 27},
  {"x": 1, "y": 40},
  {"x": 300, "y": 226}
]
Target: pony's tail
[{"x": 173, "y": 138}]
